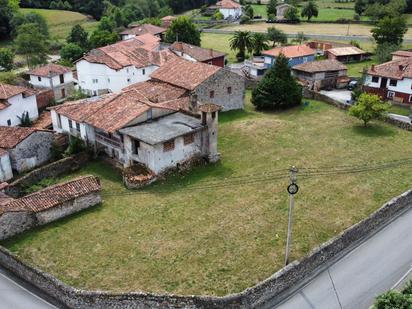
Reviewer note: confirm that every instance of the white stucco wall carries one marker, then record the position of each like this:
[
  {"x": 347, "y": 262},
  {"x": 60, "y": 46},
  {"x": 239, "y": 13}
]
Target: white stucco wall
[
  {"x": 404, "y": 85},
  {"x": 236, "y": 13},
  {"x": 127, "y": 36},
  {"x": 48, "y": 82},
  {"x": 18, "y": 106},
  {"x": 97, "y": 78}
]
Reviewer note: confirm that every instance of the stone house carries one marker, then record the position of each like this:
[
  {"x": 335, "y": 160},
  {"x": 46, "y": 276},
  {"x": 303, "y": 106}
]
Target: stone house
[
  {"x": 131, "y": 129},
  {"x": 317, "y": 75},
  {"x": 27, "y": 148},
  {"x": 211, "y": 84},
  {"x": 347, "y": 54},
  {"x": 142, "y": 29},
  {"x": 196, "y": 53},
  {"x": 16, "y": 101},
  {"x": 53, "y": 76},
  {"x": 114, "y": 67},
  {"x": 281, "y": 11},
  {"x": 391, "y": 80},
  {"x": 47, "y": 205}
]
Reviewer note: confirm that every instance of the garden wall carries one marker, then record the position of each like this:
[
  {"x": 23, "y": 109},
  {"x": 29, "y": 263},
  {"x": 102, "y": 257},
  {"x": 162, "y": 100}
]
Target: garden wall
[
  {"x": 264, "y": 295},
  {"x": 52, "y": 170}
]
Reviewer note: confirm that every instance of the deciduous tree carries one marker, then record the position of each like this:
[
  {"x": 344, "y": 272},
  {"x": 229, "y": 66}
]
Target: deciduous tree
[
  {"x": 369, "y": 107},
  {"x": 271, "y": 7},
  {"x": 79, "y": 36},
  {"x": 32, "y": 44},
  {"x": 390, "y": 30},
  {"x": 71, "y": 52},
  {"x": 6, "y": 58},
  {"x": 183, "y": 30},
  {"x": 276, "y": 36}
]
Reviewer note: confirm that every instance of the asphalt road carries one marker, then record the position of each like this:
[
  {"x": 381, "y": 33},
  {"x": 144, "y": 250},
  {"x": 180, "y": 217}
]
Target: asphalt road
[
  {"x": 13, "y": 295},
  {"x": 367, "y": 271}
]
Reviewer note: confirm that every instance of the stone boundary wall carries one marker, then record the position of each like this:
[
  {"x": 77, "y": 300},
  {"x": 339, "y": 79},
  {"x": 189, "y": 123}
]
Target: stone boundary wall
[
  {"x": 54, "y": 169},
  {"x": 309, "y": 94},
  {"x": 263, "y": 295}
]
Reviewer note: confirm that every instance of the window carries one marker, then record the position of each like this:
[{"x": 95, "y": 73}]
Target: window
[
  {"x": 61, "y": 78},
  {"x": 410, "y": 98},
  {"x": 128, "y": 80},
  {"x": 78, "y": 126},
  {"x": 9, "y": 122},
  {"x": 108, "y": 80},
  {"x": 39, "y": 78},
  {"x": 213, "y": 115},
  {"x": 188, "y": 138},
  {"x": 143, "y": 71},
  {"x": 127, "y": 70},
  {"x": 70, "y": 124},
  {"x": 169, "y": 146},
  {"x": 95, "y": 81},
  {"x": 212, "y": 94},
  {"x": 59, "y": 121},
  {"x": 375, "y": 79},
  {"x": 136, "y": 145},
  {"x": 229, "y": 90},
  {"x": 393, "y": 82},
  {"x": 391, "y": 94}
]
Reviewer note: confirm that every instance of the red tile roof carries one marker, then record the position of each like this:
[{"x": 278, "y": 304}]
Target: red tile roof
[
  {"x": 130, "y": 52},
  {"x": 44, "y": 121},
  {"x": 184, "y": 73},
  {"x": 196, "y": 52},
  {"x": 402, "y": 53},
  {"x": 49, "y": 70},
  {"x": 293, "y": 51},
  {"x": 7, "y": 91},
  {"x": 11, "y": 136},
  {"x": 395, "y": 69},
  {"x": 168, "y": 18},
  {"x": 157, "y": 91},
  {"x": 54, "y": 195},
  {"x": 346, "y": 51},
  {"x": 320, "y": 66},
  {"x": 143, "y": 29},
  {"x": 228, "y": 4}
]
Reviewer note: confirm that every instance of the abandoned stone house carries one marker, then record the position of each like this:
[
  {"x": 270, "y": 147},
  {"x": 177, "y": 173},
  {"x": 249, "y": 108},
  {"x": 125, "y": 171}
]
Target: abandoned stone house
[
  {"x": 22, "y": 149},
  {"x": 322, "y": 74},
  {"x": 211, "y": 84},
  {"x": 47, "y": 205},
  {"x": 131, "y": 129}
]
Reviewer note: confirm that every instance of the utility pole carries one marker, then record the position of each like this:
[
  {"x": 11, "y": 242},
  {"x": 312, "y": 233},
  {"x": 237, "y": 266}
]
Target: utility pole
[{"x": 292, "y": 190}]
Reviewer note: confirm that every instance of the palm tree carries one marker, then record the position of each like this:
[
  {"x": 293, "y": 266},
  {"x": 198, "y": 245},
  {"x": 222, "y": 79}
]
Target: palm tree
[
  {"x": 241, "y": 41},
  {"x": 260, "y": 43},
  {"x": 310, "y": 10}
]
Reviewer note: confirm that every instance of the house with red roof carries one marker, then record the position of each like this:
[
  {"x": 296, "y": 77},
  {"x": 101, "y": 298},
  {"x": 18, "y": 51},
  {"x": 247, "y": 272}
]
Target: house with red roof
[
  {"x": 114, "y": 67},
  {"x": 152, "y": 124},
  {"x": 16, "y": 101},
  {"x": 53, "y": 76},
  {"x": 142, "y": 29},
  {"x": 229, "y": 9},
  {"x": 196, "y": 53},
  {"x": 391, "y": 80}
]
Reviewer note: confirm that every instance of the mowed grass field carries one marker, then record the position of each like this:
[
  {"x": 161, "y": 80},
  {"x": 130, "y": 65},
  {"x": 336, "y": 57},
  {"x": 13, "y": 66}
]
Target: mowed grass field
[
  {"x": 171, "y": 237},
  {"x": 61, "y": 22}
]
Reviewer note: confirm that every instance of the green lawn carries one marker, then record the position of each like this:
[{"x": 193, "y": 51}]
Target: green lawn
[
  {"x": 400, "y": 110},
  {"x": 218, "y": 240},
  {"x": 355, "y": 69},
  {"x": 61, "y": 22},
  {"x": 219, "y": 42}
]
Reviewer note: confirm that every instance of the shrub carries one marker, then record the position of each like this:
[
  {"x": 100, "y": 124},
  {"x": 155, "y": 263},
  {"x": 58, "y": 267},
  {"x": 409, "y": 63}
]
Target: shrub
[
  {"x": 76, "y": 145},
  {"x": 44, "y": 183},
  {"x": 244, "y": 19},
  {"x": 393, "y": 300},
  {"x": 6, "y": 58},
  {"x": 369, "y": 107}
]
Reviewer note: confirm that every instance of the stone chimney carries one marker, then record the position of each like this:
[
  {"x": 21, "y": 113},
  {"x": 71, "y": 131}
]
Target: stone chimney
[{"x": 193, "y": 104}]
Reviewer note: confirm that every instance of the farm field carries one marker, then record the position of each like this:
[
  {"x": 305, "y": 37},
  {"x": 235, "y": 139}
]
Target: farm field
[
  {"x": 61, "y": 22},
  {"x": 186, "y": 236}
]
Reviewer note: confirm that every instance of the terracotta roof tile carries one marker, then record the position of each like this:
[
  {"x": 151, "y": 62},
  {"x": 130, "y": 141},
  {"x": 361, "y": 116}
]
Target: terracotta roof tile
[
  {"x": 54, "y": 195},
  {"x": 7, "y": 91},
  {"x": 320, "y": 66},
  {"x": 196, "y": 52},
  {"x": 396, "y": 69},
  {"x": 157, "y": 91},
  {"x": 44, "y": 121},
  {"x": 402, "y": 53},
  {"x": 346, "y": 51},
  {"x": 143, "y": 29},
  {"x": 184, "y": 73},
  {"x": 290, "y": 51},
  {"x": 228, "y": 4},
  {"x": 11, "y": 136},
  {"x": 49, "y": 70}
]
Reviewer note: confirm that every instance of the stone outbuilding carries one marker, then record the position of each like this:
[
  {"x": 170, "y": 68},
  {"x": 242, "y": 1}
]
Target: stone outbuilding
[
  {"x": 322, "y": 74},
  {"x": 26, "y": 149},
  {"x": 47, "y": 205}
]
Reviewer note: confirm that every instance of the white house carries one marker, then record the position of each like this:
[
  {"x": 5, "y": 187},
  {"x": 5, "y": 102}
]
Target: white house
[
  {"x": 14, "y": 102},
  {"x": 391, "y": 80},
  {"x": 114, "y": 67},
  {"x": 133, "y": 130},
  {"x": 229, "y": 9},
  {"x": 142, "y": 29},
  {"x": 53, "y": 76}
]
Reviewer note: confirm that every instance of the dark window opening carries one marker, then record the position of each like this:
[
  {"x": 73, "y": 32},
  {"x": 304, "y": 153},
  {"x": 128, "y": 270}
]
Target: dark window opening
[
  {"x": 393, "y": 82},
  {"x": 229, "y": 90},
  {"x": 136, "y": 146},
  {"x": 211, "y": 94},
  {"x": 9, "y": 122},
  {"x": 39, "y": 78},
  {"x": 61, "y": 78},
  {"x": 213, "y": 115},
  {"x": 375, "y": 79},
  {"x": 188, "y": 138},
  {"x": 168, "y": 146}
]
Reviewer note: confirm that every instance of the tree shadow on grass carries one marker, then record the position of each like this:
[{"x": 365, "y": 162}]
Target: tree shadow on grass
[{"x": 373, "y": 130}]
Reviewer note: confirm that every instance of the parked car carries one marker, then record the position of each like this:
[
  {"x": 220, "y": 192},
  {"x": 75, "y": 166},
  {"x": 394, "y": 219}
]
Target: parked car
[{"x": 352, "y": 84}]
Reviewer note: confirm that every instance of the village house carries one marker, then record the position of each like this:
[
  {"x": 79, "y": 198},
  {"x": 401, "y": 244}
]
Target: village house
[
  {"x": 132, "y": 130},
  {"x": 114, "y": 67},
  {"x": 317, "y": 75},
  {"x": 211, "y": 84},
  {"x": 167, "y": 21},
  {"x": 16, "y": 101},
  {"x": 281, "y": 11},
  {"x": 22, "y": 149},
  {"x": 347, "y": 54},
  {"x": 47, "y": 205},
  {"x": 391, "y": 80},
  {"x": 230, "y": 9},
  {"x": 53, "y": 76},
  {"x": 143, "y": 29},
  {"x": 322, "y": 46},
  {"x": 401, "y": 54},
  {"x": 196, "y": 53}
]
